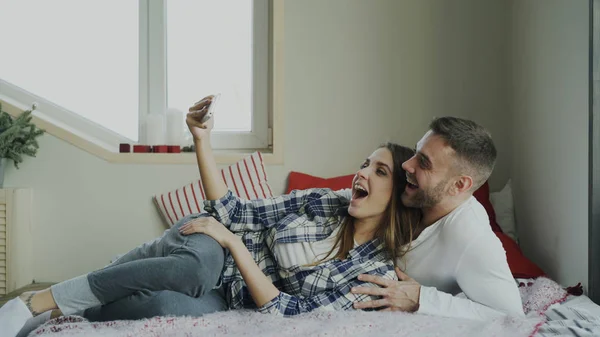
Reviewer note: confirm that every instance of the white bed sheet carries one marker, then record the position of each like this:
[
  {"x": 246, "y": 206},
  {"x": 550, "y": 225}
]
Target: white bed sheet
[{"x": 582, "y": 303}]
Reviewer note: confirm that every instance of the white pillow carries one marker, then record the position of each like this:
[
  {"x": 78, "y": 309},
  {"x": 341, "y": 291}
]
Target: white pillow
[{"x": 503, "y": 204}]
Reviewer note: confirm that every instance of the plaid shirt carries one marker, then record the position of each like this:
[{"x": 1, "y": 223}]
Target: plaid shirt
[{"x": 302, "y": 216}]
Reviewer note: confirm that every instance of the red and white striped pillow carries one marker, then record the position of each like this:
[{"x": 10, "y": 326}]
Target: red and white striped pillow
[{"x": 247, "y": 179}]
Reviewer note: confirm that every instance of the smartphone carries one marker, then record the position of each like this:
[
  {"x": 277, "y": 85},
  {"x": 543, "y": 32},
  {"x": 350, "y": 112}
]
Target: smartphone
[
  {"x": 211, "y": 109},
  {"x": 208, "y": 113}
]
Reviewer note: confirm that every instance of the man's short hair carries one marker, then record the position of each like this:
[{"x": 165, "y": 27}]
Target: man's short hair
[{"x": 473, "y": 146}]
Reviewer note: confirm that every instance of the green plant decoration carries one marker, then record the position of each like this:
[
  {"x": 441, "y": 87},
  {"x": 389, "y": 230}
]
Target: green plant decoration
[{"x": 18, "y": 136}]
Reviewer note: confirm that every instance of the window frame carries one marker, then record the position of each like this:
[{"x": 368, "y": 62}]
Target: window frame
[{"x": 153, "y": 99}]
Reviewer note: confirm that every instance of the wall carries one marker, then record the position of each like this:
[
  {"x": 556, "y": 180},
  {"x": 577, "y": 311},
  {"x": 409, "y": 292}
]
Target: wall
[
  {"x": 550, "y": 134},
  {"x": 357, "y": 73},
  {"x": 452, "y": 60}
]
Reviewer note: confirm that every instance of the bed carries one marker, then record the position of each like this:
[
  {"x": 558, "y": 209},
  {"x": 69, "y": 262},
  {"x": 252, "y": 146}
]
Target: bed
[{"x": 550, "y": 311}]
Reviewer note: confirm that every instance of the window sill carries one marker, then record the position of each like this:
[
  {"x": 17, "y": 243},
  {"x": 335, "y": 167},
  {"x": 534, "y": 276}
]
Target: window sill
[
  {"x": 186, "y": 158},
  {"x": 271, "y": 156}
]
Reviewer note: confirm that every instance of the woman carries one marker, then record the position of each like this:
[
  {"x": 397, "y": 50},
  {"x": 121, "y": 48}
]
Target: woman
[{"x": 286, "y": 255}]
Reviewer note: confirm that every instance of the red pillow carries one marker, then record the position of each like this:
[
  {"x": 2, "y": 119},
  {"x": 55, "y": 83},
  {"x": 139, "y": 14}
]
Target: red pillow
[
  {"x": 301, "y": 181},
  {"x": 520, "y": 266},
  {"x": 483, "y": 196}
]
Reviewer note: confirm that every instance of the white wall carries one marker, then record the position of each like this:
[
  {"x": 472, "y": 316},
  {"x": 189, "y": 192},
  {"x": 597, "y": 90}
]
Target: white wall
[
  {"x": 550, "y": 126},
  {"x": 452, "y": 60},
  {"x": 357, "y": 73},
  {"x": 381, "y": 70}
]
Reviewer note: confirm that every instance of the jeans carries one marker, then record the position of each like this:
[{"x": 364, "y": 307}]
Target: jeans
[
  {"x": 171, "y": 275},
  {"x": 147, "y": 304}
]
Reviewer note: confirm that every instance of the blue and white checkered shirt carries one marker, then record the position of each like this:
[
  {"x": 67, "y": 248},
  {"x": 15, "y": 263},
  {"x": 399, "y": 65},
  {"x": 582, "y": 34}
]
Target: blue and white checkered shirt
[{"x": 302, "y": 216}]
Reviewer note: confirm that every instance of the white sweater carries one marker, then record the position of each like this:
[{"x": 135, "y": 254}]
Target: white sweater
[
  {"x": 461, "y": 253},
  {"x": 457, "y": 253}
]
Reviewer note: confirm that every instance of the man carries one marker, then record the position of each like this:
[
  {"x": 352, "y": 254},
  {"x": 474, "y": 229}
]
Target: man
[{"x": 455, "y": 249}]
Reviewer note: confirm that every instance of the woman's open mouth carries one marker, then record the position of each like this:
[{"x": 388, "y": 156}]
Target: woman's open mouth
[{"x": 359, "y": 192}]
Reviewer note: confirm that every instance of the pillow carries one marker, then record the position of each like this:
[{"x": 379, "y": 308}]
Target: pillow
[
  {"x": 301, "y": 181},
  {"x": 520, "y": 266},
  {"x": 247, "y": 179},
  {"x": 503, "y": 204},
  {"x": 483, "y": 196}
]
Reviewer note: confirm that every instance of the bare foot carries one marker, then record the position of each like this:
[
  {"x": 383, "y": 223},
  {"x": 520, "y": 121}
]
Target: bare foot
[{"x": 38, "y": 302}]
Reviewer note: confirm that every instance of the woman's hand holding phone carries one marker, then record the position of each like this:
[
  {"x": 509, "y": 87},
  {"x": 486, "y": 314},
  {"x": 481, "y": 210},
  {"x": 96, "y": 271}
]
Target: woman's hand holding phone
[{"x": 199, "y": 118}]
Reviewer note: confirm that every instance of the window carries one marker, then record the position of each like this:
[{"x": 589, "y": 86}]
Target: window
[
  {"x": 102, "y": 66},
  {"x": 73, "y": 59},
  {"x": 218, "y": 39}
]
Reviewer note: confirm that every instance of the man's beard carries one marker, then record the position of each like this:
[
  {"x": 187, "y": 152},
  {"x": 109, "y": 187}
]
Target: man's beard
[{"x": 425, "y": 198}]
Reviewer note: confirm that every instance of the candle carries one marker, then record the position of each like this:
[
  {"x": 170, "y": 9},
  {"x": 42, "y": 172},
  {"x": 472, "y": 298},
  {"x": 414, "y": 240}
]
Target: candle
[
  {"x": 155, "y": 129},
  {"x": 174, "y": 126}
]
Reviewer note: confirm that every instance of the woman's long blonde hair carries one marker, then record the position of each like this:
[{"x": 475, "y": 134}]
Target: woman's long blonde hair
[{"x": 397, "y": 226}]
